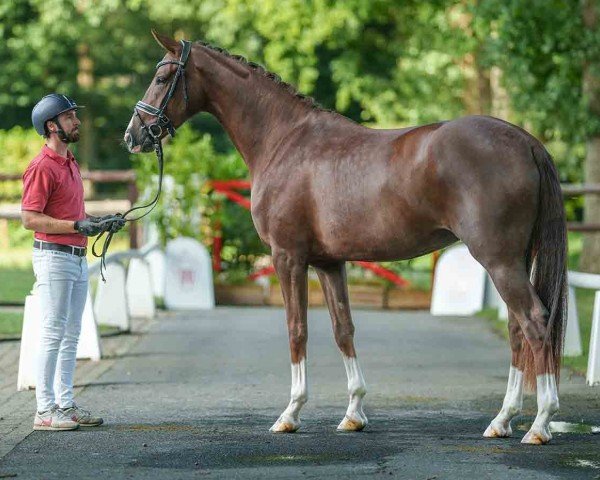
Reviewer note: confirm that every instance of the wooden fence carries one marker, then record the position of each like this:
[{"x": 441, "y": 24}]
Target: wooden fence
[{"x": 12, "y": 211}]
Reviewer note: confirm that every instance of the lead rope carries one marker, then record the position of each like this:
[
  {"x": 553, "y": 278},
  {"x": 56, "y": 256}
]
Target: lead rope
[
  {"x": 109, "y": 235},
  {"x": 155, "y": 134}
]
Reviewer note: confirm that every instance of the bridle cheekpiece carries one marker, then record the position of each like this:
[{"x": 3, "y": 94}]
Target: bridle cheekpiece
[{"x": 162, "y": 121}]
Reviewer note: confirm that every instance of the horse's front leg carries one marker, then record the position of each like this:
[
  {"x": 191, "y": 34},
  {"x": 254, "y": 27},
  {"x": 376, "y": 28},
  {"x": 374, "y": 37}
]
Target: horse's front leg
[
  {"x": 333, "y": 281},
  {"x": 292, "y": 271}
]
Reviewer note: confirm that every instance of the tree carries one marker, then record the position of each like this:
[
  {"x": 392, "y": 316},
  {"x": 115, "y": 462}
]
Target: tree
[{"x": 590, "y": 258}]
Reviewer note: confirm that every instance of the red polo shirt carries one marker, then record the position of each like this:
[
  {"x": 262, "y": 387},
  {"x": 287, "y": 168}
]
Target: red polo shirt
[{"x": 52, "y": 185}]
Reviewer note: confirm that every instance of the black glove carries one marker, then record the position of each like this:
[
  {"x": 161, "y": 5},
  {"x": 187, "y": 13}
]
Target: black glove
[
  {"x": 110, "y": 223},
  {"x": 89, "y": 228}
]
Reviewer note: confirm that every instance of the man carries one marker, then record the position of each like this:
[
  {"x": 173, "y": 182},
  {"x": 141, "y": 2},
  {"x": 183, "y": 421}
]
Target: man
[{"x": 53, "y": 207}]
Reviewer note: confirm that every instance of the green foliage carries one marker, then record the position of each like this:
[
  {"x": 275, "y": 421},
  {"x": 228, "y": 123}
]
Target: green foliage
[
  {"x": 542, "y": 47},
  {"x": 18, "y": 146},
  {"x": 188, "y": 207},
  {"x": 380, "y": 62}
]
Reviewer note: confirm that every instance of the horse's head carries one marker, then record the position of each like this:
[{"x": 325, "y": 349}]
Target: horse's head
[{"x": 169, "y": 100}]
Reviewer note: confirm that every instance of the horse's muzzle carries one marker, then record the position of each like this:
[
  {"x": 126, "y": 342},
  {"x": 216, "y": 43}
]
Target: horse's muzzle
[{"x": 135, "y": 146}]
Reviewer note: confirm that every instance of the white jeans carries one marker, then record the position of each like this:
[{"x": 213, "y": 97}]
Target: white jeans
[{"x": 61, "y": 284}]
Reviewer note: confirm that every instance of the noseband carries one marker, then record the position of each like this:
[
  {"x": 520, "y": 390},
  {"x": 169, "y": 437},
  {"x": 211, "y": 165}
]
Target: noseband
[
  {"x": 155, "y": 131},
  {"x": 162, "y": 121}
]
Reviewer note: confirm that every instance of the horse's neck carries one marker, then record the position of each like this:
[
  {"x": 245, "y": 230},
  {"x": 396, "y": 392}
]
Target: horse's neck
[{"x": 256, "y": 113}]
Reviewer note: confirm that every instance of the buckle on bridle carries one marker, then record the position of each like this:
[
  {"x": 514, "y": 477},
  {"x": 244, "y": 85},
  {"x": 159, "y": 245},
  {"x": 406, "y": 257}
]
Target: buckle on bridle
[{"x": 155, "y": 130}]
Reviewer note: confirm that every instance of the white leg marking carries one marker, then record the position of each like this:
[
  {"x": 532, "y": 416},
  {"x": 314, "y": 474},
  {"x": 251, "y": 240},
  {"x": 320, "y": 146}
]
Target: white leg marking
[
  {"x": 289, "y": 420},
  {"x": 547, "y": 400},
  {"x": 511, "y": 407},
  {"x": 355, "y": 418}
]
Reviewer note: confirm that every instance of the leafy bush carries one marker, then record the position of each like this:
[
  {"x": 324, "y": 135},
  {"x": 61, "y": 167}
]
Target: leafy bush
[
  {"x": 18, "y": 146},
  {"x": 188, "y": 207}
]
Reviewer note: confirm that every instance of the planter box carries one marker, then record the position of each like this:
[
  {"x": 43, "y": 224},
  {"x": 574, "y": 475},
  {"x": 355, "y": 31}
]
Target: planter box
[
  {"x": 250, "y": 294},
  {"x": 397, "y": 299},
  {"x": 366, "y": 296},
  {"x": 371, "y": 296},
  {"x": 315, "y": 296}
]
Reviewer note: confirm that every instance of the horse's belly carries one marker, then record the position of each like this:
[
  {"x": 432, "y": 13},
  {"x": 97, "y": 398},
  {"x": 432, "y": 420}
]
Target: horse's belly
[{"x": 372, "y": 241}]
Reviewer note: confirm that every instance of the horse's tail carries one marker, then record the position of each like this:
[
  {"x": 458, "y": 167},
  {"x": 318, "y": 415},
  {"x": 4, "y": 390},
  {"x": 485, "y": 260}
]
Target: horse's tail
[{"x": 547, "y": 262}]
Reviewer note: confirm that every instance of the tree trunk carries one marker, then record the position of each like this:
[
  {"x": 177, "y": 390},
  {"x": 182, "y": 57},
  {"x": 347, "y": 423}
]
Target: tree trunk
[
  {"x": 590, "y": 256},
  {"x": 500, "y": 100},
  {"x": 85, "y": 81}
]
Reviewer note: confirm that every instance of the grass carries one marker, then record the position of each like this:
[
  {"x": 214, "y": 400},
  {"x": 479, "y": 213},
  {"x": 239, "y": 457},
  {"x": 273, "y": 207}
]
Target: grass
[
  {"x": 11, "y": 324},
  {"x": 15, "y": 284}
]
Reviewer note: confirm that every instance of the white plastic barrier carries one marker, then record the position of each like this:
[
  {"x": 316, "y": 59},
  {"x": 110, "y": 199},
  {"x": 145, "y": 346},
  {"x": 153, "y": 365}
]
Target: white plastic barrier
[
  {"x": 189, "y": 282},
  {"x": 593, "y": 369},
  {"x": 89, "y": 338},
  {"x": 88, "y": 347},
  {"x": 590, "y": 281},
  {"x": 110, "y": 303},
  {"x": 156, "y": 260},
  {"x": 140, "y": 295},
  {"x": 459, "y": 283},
  {"x": 30, "y": 339},
  {"x": 572, "y": 346}
]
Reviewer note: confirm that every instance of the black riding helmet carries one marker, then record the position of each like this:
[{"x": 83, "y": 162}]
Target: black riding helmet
[{"x": 50, "y": 107}]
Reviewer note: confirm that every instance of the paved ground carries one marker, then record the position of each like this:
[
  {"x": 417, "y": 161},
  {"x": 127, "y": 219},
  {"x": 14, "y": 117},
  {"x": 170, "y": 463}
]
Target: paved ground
[{"x": 195, "y": 396}]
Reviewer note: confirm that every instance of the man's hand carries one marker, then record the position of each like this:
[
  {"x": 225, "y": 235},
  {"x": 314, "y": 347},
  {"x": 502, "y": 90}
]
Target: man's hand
[
  {"x": 113, "y": 223},
  {"x": 88, "y": 227},
  {"x": 110, "y": 223}
]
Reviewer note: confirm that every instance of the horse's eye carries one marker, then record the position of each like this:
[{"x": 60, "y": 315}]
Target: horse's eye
[{"x": 160, "y": 80}]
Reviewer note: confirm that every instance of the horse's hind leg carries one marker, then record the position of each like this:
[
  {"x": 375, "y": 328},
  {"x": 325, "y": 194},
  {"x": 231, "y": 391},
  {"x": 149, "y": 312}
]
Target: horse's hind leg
[
  {"x": 513, "y": 400},
  {"x": 292, "y": 272},
  {"x": 333, "y": 281},
  {"x": 516, "y": 290}
]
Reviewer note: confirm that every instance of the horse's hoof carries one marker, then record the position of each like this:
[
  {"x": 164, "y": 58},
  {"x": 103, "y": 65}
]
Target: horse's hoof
[
  {"x": 285, "y": 425},
  {"x": 537, "y": 437},
  {"x": 497, "y": 431},
  {"x": 353, "y": 424}
]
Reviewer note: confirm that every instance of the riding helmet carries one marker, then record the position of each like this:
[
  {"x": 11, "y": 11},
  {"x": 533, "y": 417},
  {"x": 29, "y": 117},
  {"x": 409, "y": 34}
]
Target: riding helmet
[{"x": 50, "y": 107}]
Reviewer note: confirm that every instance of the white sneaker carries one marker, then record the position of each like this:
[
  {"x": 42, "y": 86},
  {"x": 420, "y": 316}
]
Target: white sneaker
[
  {"x": 53, "y": 419},
  {"x": 81, "y": 416}
]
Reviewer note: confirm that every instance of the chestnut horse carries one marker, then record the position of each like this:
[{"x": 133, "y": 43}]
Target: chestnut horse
[{"x": 326, "y": 190}]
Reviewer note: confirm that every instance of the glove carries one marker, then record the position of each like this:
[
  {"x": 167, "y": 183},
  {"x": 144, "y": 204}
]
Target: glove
[
  {"x": 110, "y": 223},
  {"x": 89, "y": 228}
]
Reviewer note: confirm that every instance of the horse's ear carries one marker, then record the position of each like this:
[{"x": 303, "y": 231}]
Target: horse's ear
[{"x": 167, "y": 43}]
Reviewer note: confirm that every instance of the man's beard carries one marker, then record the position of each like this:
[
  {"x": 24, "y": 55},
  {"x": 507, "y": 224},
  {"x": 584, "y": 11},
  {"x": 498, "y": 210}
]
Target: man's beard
[{"x": 73, "y": 136}]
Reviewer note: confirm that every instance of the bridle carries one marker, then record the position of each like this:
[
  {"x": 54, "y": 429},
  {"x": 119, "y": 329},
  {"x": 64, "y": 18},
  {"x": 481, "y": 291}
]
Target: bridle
[
  {"x": 154, "y": 130},
  {"x": 162, "y": 121}
]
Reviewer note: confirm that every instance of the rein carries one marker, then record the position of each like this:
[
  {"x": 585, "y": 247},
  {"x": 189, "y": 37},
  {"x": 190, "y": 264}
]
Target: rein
[{"x": 154, "y": 130}]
